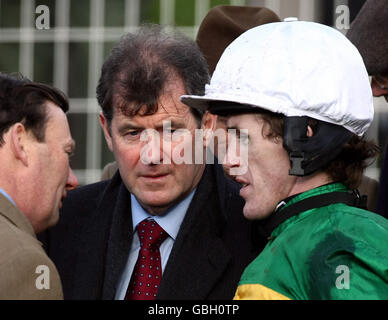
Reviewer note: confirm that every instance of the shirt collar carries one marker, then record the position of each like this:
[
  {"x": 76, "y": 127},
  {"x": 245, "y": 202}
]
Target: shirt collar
[
  {"x": 7, "y": 196},
  {"x": 170, "y": 221}
]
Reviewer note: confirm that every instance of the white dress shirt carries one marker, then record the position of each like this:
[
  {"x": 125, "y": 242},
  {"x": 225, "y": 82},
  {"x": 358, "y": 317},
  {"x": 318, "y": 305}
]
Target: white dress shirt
[{"x": 170, "y": 222}]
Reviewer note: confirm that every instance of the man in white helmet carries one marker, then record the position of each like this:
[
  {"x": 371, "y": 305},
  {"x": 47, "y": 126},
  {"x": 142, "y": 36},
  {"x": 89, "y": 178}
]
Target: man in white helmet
[{"x": 298, "y": 99}]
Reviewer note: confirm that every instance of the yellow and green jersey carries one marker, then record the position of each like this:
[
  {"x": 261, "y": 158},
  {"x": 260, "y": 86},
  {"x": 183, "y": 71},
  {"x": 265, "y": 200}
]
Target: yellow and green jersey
[{"x": 332, "y": 252}]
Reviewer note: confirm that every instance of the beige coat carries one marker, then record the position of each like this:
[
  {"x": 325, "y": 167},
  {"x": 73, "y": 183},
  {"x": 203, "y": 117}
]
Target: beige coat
[{"x": 25, "y": 270}]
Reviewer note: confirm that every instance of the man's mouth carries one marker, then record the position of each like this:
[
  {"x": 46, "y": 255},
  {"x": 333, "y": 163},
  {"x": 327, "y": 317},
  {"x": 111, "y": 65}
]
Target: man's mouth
[
  {"x": 242, "y": 182},
  {"x": 155, "y": 177}
]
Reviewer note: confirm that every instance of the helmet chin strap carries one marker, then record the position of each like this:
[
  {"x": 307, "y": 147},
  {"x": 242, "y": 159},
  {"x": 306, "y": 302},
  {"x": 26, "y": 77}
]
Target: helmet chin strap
[{"x": 310, "y": 154}]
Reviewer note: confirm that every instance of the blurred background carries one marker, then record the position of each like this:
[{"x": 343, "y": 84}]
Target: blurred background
[{"x": 80, "y": 33}]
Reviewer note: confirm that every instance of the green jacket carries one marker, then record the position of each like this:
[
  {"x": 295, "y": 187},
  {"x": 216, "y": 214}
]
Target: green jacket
[{"x": 333, "y": 252}]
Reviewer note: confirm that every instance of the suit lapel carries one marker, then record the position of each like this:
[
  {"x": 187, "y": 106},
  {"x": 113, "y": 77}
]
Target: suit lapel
[
  {"x": 119, "y": 243},
  {"x": 105, "y": 244},
  {"x": 199, "y": 256},
  {"x": 92, "y": 248}
]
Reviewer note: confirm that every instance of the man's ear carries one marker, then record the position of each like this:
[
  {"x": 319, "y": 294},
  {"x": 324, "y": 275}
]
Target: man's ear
[
  {"x": 209, "y": 123},
  {"x": 309, "y": 132},
  {"x": 105, "y": 127},
  {"x": 18, "y": 142}
]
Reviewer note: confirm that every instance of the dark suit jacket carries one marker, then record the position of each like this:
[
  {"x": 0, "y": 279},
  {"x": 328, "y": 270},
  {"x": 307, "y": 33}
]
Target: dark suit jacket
[{"x": 91, "y": 243}]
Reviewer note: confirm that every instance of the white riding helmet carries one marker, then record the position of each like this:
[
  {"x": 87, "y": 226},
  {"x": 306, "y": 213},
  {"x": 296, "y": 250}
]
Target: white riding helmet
[{"x": 297, "y": 69}]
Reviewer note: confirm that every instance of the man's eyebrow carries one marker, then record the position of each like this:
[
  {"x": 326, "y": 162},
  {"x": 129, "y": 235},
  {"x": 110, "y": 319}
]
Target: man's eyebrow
[
  {"x": 174, "y": 123},
  {"x": 127, "y": 126}
]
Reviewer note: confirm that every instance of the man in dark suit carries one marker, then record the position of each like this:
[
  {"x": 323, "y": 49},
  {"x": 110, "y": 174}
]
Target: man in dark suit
[{"x": 104, "y": 244}]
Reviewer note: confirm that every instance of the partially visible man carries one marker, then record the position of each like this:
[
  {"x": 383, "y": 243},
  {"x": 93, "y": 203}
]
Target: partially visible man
[
  {"x": 298, "y": 99},
  {"x": 369, "y": 33},
  {"x": 223, "y": 24},
  {"x": 161, "y": 227},
  {"x": 35, "y": 144}
]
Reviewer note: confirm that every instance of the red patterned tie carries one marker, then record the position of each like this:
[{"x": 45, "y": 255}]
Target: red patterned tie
[{"x": 147, "y": 273}]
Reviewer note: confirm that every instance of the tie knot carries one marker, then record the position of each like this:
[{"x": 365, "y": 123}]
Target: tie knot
[{"x": 151, "y": 234}]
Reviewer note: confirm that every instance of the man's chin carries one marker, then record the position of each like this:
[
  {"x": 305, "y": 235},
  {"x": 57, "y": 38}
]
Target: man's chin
[
  {"x": 156, "y": 205},
  {"x": 47, "y": 223},
  {"x": 53, "y": 219},
  {"x": 255, "y": 213}
]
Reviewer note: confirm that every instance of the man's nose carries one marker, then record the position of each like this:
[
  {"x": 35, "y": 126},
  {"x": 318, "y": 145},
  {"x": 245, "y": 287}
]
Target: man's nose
[
  {"x": 231, "y": 160},
  {"x": 156, "y": 156},
  {"x": 377, "y": 90},
  {"x": 72, "y": 181},
  {"x": 151, "y": 152}
]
